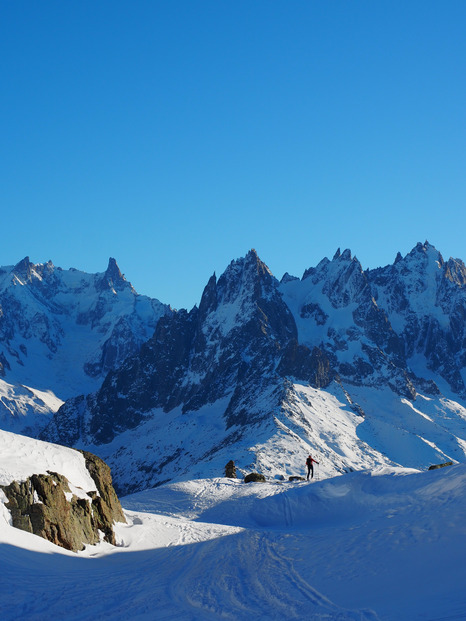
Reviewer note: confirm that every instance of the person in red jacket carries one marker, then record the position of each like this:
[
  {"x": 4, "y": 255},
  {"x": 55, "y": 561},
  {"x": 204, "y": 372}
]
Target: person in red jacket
[{"x": 310, "y": 467}]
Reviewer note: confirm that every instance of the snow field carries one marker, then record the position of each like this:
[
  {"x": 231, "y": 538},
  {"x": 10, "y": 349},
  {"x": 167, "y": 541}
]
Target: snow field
[{"x": 386, "y": 544}]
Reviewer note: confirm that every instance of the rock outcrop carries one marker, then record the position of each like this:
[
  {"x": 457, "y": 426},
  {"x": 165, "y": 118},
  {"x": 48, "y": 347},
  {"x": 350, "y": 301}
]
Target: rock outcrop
[
  {"x": 44, "y": 505},
  {"x": 107, "y": 501},
  {"x": 437, "y": 466},
  {"x": 254, "y": 477},
  {"x": 230, "y": 470}
]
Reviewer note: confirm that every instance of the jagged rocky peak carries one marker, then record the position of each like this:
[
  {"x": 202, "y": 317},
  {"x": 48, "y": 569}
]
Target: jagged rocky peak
[
  {"x": 112, "y": 278},
  {"x": 338, "y": 264},
  {"x": 234, "y": 338},
  {"x": 209, "y": 298},
  {"x": 455, "y": 271},
  {"x": 428, "y": 251},
  {"x": 342, "y": 279},
  {"x": 343, "y": 256},
  {"x": 345, "y": 280},
  {"x": 254, "y": 262},
  {"x": 246, "y": 291},
  {"x": 46, "y": 268},
  {"x": 288, "y": 278},
  {"x": 78, "y": 326},
  {"x": 245, "y": 278},
  {"x": 311, "y": 271},
  {"x": 422, "y": 262},
  {"x": 24, "y": 269},
  {"x": 452, "y": 270},
  {"x": 27, "y": 272},
  {"x": 423, "y": 298}
]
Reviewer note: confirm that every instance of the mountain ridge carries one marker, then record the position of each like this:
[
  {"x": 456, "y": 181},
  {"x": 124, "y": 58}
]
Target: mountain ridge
[
  {"x": 252, "y": 350},
  {"x": 361, "y": 367}
]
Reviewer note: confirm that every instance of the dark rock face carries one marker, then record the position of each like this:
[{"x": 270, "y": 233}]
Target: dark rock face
[
  {"x": 4, "y": 365},
  {"x": 300, "y": 362},
  {"x": 313, "y": 310},
  {"x": 24, "y": 269},
  {"x": 102, "y": 477},
  {"x": 230, "y": 345},
  {"x": 40, "y": 506}
]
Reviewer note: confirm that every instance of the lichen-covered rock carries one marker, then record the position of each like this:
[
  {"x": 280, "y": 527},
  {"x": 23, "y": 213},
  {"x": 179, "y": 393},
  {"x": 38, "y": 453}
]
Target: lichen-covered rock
[
  {"x": 254, "y": 477},
  {"x": 44, "y": 505},
  {"x": 102, "y": 478}
]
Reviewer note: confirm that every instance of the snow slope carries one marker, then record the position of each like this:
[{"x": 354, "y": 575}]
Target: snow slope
[
  {"x": 384, "y": 545},
  {"x": 394, "y": 431},
  {"x": 22, "y": 456},
  {"x": 22, "y": 406}
]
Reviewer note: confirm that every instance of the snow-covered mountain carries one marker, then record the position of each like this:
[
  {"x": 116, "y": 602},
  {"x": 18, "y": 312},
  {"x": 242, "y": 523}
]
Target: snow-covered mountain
[
  {"x": 362, "y": 368},
  {"x": 365, "y": 369},
  {"x": 61, "y": 331},
  {"x": 424, "y": 298}
]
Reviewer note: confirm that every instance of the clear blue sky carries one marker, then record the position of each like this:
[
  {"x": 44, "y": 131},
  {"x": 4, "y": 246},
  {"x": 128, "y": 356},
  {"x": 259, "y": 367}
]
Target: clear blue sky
[{"x": 175, "y": 136}]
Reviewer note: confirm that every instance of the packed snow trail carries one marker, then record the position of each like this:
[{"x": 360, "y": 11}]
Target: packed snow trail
[
  {"x": 386, "y": 545},
  {"x": 240, "y": 576}
]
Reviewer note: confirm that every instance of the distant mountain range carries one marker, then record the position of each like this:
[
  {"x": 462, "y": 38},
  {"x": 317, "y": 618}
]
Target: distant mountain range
[
  {"x": 61, "y": 331},
  {"x": 360, "y": 367}
]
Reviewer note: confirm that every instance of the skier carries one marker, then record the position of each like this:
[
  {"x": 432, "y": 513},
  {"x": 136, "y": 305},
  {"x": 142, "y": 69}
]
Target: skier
[{"x": 310, "y": 467}]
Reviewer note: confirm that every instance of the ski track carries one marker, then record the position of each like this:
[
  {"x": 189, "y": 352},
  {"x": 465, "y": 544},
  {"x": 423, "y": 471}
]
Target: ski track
[{"x": 243, "y": 577}]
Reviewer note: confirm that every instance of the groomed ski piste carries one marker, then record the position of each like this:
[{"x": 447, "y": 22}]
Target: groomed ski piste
[{"x": 386, "y": 544}]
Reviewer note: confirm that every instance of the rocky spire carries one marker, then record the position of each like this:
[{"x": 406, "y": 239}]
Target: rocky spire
[
  {"x": 209, "y": 297},
  {"x": 23, "y": 269},
  {"x": 113, "y": 271},
  {"x": 112, "y": 278},
  {"x": 245, "y": 278}
]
